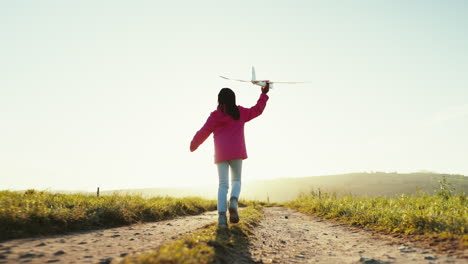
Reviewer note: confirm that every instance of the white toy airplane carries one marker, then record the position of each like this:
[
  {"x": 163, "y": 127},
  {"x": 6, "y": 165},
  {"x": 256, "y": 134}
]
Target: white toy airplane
[{"x": 262, "y": 83}]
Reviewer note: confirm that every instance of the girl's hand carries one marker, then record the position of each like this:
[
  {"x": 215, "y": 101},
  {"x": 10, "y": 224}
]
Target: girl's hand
[
  {"x": 266, "y": 89},
  {"x": 192, "y": 148}
]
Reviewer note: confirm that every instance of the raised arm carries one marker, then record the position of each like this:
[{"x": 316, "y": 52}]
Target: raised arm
[{"x": 257, "y": 109}]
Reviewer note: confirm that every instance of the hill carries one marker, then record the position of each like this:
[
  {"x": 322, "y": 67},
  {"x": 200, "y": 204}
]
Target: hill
[{"x": 357, "y": 184}]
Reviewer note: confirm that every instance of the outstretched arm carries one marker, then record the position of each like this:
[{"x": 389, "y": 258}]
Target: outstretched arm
[{"x": 203, "y": 133}]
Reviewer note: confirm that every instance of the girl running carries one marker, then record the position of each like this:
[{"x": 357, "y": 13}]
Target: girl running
[{"x": 227, "y": 125}]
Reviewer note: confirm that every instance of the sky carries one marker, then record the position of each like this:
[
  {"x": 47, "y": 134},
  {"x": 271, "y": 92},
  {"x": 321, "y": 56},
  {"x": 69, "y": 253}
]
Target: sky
[{"x": 110, "y": 93}]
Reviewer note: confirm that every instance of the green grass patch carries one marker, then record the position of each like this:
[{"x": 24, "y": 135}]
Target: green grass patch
[
  {"x": 32, "y": 212},
  {"x": 209, "y": 245},
  {"x": 442, "y": 216}
]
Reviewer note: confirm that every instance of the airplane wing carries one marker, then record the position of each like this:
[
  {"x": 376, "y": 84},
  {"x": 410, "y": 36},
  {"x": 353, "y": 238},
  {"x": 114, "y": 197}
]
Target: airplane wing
[
  {"x": 233, "y": 79},
  {"x": 289, "y": 82}
]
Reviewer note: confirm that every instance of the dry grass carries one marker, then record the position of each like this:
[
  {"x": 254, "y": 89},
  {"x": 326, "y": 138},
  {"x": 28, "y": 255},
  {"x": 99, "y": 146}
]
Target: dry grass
[{"x": 38, "y": 213}]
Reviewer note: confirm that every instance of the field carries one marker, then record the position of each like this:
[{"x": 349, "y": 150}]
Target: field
[
  {"x": 32, "y": 212},
  {"x": 370, "y": 184},
  {"x": 440, "y": 216}
]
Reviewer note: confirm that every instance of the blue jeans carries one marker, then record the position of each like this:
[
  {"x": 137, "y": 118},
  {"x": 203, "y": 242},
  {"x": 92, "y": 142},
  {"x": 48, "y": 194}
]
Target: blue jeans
[{"x": 223, "y": 188}]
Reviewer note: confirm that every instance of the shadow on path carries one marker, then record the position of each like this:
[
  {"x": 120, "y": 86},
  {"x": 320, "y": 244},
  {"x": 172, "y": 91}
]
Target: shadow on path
[{"x": 231, "y": 246}]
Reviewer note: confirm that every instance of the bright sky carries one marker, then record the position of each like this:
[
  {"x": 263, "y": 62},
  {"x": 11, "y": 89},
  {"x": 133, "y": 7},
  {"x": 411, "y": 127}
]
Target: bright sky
[{"x": 110, "y": 93}]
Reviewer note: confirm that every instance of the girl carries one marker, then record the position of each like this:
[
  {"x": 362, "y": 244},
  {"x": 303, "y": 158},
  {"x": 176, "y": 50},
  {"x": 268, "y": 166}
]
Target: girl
[{"x": 227, "y": 125}]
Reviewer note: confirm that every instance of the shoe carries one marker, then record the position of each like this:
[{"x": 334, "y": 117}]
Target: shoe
[
  {"x": 233, "y": 214},
  {"x": 222, "y": 220}
]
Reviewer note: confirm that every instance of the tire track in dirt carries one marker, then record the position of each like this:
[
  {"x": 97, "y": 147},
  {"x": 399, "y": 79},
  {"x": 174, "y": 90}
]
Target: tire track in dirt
[
  {"x": 101, "y": 246},
  {"x": 288, "y": 236}
]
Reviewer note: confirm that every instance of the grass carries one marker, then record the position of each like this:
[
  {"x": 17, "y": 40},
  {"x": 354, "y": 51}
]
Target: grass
[
  {"x": 208, "y": 245},
  {"x": 30, "y": 213},
  {"x": 443, "y": 215}
]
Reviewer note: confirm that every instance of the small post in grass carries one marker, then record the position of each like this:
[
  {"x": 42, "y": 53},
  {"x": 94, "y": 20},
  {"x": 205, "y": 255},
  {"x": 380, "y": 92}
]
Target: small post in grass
[{"x": 97, "y": 191}]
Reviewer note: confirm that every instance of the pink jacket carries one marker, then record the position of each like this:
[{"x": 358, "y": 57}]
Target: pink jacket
[{"x": 229, "y": 140}]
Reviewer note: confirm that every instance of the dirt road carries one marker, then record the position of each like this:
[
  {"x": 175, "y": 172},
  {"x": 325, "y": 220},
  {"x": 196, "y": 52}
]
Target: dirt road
[
  {"x": 100, "y": 246},
  {"x": 284, "y": 236},
  {"x": 288, "y": 236}
]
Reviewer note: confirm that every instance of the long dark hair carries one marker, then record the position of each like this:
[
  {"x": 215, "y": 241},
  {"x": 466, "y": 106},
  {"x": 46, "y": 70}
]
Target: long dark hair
[{"x": 227, "y": 103}]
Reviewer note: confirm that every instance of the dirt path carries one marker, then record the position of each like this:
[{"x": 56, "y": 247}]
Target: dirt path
[
  {"x": 288, "y": 236},
  {"x": 100, "y": 246},
  {"x": 284, "y": 236}
]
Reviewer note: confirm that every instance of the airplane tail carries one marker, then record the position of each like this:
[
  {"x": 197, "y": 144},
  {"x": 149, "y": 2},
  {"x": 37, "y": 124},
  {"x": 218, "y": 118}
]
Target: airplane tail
[{"x": 253, "y": 74}]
